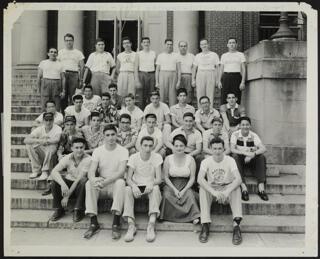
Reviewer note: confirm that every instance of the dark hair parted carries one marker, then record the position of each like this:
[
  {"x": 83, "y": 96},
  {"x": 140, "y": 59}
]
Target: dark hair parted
[{"x": 180, "y": 138}]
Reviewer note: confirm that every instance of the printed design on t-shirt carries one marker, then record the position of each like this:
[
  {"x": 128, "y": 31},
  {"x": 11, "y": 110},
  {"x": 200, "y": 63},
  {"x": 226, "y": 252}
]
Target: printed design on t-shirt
[
  {"x": 127, "y": 59},
  {"x": 89, "y": 105},
  {"x": 218, "y": 176}
]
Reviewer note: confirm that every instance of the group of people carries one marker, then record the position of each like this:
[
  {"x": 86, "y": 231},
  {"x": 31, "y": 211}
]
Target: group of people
[{"x": 179, "y": 158}]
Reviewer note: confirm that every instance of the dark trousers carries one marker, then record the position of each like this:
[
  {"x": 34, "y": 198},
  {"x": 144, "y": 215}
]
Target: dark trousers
[
  {"x": 72, "y": 82},
  {"x": 258, "y": 164},
  {"x": 148, "y": 82},
  {"x": 50, "y": 90},
  {"x": 230, "y": 84},
  {"x": 78, "y": 193}
]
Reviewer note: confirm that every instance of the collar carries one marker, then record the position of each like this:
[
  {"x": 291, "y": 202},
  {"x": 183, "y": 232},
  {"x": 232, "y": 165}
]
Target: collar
[
  {"x": 219, "y": 134},
  {"x": 179, "y": 107},
  {"x": 235, "y": 107},
  {"x": 192, "y": 130},
  {"x": 240, "y": 134},
  {"x": 73, "y": 159},
  {"x": 210, "y": 111}
]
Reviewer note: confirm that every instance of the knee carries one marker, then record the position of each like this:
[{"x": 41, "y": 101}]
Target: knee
[
  {"x": 128, "y": 190},
  {"x": 120, "y": 183},
  {"x": 156, "y": 189}
]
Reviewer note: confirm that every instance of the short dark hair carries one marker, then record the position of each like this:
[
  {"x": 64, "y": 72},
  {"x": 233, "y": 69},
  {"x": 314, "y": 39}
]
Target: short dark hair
[
  {"x": 68, "y": 35},
  {"x": 50, "y": 101},
  {"x": 168, "y": 39},
  {"x": 150, "y": 115},
  {"x": 78, "y": 140},
  {"x": 77, "y": 97},
  {"x": 219, "y": 119},
  {"x": 203, "y": 39},
  {"x": 188, "y": 114},
  {"x": 154, "y": 93},
  {"x": 245, "y": 118},
  {"x": 94, "y": 114},
  {"x": 146, "y": 138},
  {"x": 180, "y": 138},
  {"x": 52, "y": 48},
  {"x": 182, "y": 90},
  {"x": 126, "y": 38},
  {"x": 130, "y": 95},
  {"x": 106, "y": 94},
  {"x": 110, "y": 127},
  {"x": 126, "y": 116},
  {"x": 216, "y": 140},
  {"x": 231, "y": 93},
  {"x": 113, "y": 85},
  {"x": 88, "y": 86},
  {"x": 204, "y": 97},
  {"x": 232, "y": 38},
  {"x": 145, "y": 38},
  {"x": 99, "y": 40}
]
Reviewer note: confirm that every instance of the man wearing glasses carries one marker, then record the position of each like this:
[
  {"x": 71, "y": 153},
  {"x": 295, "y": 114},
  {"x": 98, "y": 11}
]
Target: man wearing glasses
[{"x": 127, "y": 136}]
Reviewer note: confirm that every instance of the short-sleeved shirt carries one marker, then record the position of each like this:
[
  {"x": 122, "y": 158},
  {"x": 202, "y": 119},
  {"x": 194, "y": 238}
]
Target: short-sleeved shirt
[
  {"x": 245, "y": 143},
  {"x": 80, "y": 116},
  {"x": 186, "y": 63},
  {"x": 219, "y": 173},
  {"x": 192, "y": 139},
  {"x": 70, "y": 59},
  {"x": 208, "y": 61},
  {"x": 208, "y": 136},
  {"x": 65, "y": 142},
  {"x": 232, "y": 61},
  {"x": 127, "y": 61},
  {"x": 51, "y": 69},
  {"x": 234, "y": 114},
  {"x": 147, "y": 60},
  {"x": 57, "y": 118},
  {"x": 109, "y": 114},
  {"x": 92, "y": 103},
  {"x": 177, "y": 111},
  {"x": 205, "y": 119},
  {"x": 144, "y": 171},
  {"x": 136, "y": 114},
  {"x": 156, "y": 135},
  {"x": 168, "y": 62},
  {"x": 125, "y": 137},
  {"x": 54, "y": 134},
  {"x": 117, "y": 101},
  {"x": 161, "y": 111},
  {"x": 93, "y": 139},
  {"x": 109, "y": 161},
  {"x": 74, "y": 170},
  {"x": 100, "y": 62}
]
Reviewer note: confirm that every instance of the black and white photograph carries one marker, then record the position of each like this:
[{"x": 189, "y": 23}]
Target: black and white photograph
[{"x": 160, "y": 129}]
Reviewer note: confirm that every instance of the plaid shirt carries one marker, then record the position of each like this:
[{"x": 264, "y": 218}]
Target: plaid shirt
[
  {"x": 109, "y": 114},
  {"x": 125, "y": 137},
  {"x": 65, "y": 142}
]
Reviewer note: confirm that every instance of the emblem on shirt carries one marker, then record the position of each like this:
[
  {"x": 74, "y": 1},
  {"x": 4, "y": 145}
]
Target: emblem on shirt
[{"x": 218, "y": 176}]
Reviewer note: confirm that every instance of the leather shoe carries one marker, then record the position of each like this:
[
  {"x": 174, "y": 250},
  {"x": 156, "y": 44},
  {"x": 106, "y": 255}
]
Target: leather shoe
[
  {"x": 93, "y": 229},
  {"x": 245, "y": 195},
  {"x": 78, "y": 215},
  {"x": 204, "y": 235},
  {"x": 46, "y": 192},
  {"x": 58, "y": 213},
  {"x": 236, "y": 238},
  {"x": 116, "y": 234},
  {"x": 263, "y": 195}
]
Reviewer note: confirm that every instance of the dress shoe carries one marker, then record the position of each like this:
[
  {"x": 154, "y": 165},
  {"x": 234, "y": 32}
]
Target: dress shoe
[
  {"x": 263, "y": 195},
  {"x": 46, "y": 192},
  {"x": 78, "y": 215},
  {"x": 43, "y": 176},
  {"x": 204, "y": 235},
  {"x": 93, "y": 229},
  {"x": 236, "y": 238},
  {"x": 34, "y": 175},
  {"x": 58, "y": 214},
  {"x": 245, "y": 195},
  {"x": 116, "y": 233}
]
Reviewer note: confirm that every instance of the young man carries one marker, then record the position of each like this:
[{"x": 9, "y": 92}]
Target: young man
[
  {"x": 231, "y": 113},
  {"x": 100, "y": 63},
  {"x": 168, "y": 73},
  {"x": 145, "y": 70},
  {"x": 219, "y": 180},
  {"x": 232, "y": 74},
  {"x": 134, "y": 111},
  {"x": 90, "y": 100},
  {"x": 180, "y": 108},
  {"x": 51, "y": 79},
  {"x": 42, "y": 145},
  {"x": 71, "y": 185},
  {"x": 126, "y": 135},
  {"x": 247, "y": 149},
  {"x": 205, "y": 114},
  {"x": 79, "y": 111},
  {"x": 144, "y": 177},
  {"x": 125, "y": 69},
  {"x": 186, "y": 60},
  {"x": 57, "y": 116},
  {"x": 73, "y": 63},
  {"x": 111, "y": 160},
  {"x": 108, "y": 112},
  {"x": 116, "y": 99},
  {"x": 205, "y": 71}
]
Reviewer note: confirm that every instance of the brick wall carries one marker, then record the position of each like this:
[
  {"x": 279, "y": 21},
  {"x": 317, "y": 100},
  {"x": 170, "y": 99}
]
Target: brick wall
[
  {"x": 24, "y": 81},
  {"x": 170, "y": 24}
]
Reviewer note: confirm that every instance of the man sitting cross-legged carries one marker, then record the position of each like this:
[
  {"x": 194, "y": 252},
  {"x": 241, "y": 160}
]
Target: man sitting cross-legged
[
  {"x": 219, "y": 180},
  {"x": 73, "y": 183},
  {"x": 111, "y": 160},
  {"x": 144, "y": 177}
]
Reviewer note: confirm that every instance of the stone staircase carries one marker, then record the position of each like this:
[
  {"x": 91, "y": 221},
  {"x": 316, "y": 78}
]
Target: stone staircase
[{"x": 283, "y": 213}]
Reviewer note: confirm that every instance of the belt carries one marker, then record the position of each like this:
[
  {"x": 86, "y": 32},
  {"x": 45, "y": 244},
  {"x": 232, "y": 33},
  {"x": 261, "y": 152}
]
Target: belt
[
  {"x": 70, "y": 71},
  {"x": 51, "y": 78},
  {"x": 149, "y": 72},
  {"x": 127, "y": 71},
  {"x": 186, "y": 74},
  {"x": 100, "y": 72},
  {"x": 232, "y": 73}
]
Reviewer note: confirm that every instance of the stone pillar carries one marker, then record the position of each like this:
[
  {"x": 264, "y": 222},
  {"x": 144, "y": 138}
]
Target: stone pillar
[
  {"x": 185, "y": 27},
  {"x": 70, "y": 22}
]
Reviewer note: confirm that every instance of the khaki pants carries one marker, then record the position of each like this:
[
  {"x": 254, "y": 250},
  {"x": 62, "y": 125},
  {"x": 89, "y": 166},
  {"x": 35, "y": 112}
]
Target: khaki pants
[
  {"x": 50, "y": 90},
  {"x": 206, "y": 82},
  {"x": 114, "y": 191},
  {"x": 154, "y": 202},
  {"x": 41, "y": 157},
  {"x": 167, "y": 82},
  {"x": 100, "y": 82},
  {"x": 126, "y": 83},
  {"x": 206, "y": 200}
]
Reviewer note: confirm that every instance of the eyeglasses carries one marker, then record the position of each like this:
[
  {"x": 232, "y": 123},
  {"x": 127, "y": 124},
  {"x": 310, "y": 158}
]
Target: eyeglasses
[
  {"x": 204, "y": 103},
  {"x": 125, "y": 122},
  {"x": 48, "y": 119}
]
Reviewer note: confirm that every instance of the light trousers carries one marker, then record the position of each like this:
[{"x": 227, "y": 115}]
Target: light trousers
[
  {"x": 41, "y": 157},
  {"x": 126, "y": 83},
  {"x": 167, "y": 82},
  {"x": 205, "y": 84},
  {"x": 100, "y": 82}
]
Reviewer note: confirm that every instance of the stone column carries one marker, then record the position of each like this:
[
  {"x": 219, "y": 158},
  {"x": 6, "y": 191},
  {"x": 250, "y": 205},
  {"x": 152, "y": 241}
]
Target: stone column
[{"x": 185, "y": 27}]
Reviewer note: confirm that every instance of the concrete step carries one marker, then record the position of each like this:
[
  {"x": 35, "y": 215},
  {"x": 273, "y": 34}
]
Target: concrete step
[
  {"x": 220, "y": 223},
  {"x": 285, "y": 184},
  {"x": 24, "y": 116},
  {"x": 26, "y": 109},
  {"x": 277, "y": 205},
  {"x": 25, "y": 96},
  {"x": 21, "y": 127},
  {"x": 25, "y": 102},
  {"x": 17, "y": 139}
]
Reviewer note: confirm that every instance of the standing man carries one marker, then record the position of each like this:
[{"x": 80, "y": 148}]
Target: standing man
[
  {"x": 145, "y": 70},
  {"x": 186, "y": 60},
  {"x": 100, "y": 63},
  {"x": 125, "y": 69},
  {"x": 73, "y": 64},
  {"x": 168, "y": 73},
  {"x": 232, "y": 72},
  {"x": 205, "y": 71}
]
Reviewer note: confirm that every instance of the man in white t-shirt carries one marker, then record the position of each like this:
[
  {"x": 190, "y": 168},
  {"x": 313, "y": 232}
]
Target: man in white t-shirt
[
  {"x": 168, "y": 73},
  {"x": 219, "y": 180},
  {"x": 205, "y": 71},
  {"x": 57, "y": 116},
  {"x": 90, "y": 100},
  {"x": 232, "y": 74},
  {"x": 144, "y": 177},
  {"x": 81, "y": 113},
  {"x": 125, "y": 69},
  {"x": 134, "y": 111},
  {"x": 111, "y": 160}
]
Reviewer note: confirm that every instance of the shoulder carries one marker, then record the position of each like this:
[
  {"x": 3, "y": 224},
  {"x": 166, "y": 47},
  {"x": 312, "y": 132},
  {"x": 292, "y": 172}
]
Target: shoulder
[
  {"x": 223, "y": 108},
  {"x": 164, "y": 105},
  {"x": 197, "y": 133},
  {"x": 235, "y": 134},
  {"x": 56, "y": 128}
]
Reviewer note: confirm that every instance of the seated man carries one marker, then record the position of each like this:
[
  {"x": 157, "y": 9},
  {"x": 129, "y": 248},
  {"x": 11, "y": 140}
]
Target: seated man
[
  {"x": 180, "y": 108},
  {"x": 72, "y": 185},
  {"x": 205, "y": 114},
  {"x": 152, "y": 131},
  {"x": 57, "y": 116},
  {"x": 90, "y": 101},
  {"x": 144, "y": 177},
  {"x": 219, "y": 180},
  {"x": 79, "y": 111},
  {"x": 127, "y": 136},
  {"x": 247, "y": 149},
  {"x": 214, "y": 132},
  {"x": 108, "y": 112},
  {"x": 231, "y": 113},
  {"x": 116, "y": 99},
  {"x": 42, "y": 145},
  {"x": 111, "y": 160}
]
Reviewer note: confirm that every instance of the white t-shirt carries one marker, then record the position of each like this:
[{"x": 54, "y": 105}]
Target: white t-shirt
[
  {"x": 109, "y": 161},
  {"x": 186, "y": 62},
  {"x": 51, "y": 69},
  {"x": 70, "y": 58},
  {"x": 156, "y": 135},
  {"x": 168, "y": 62},
  {"x": 57, "y": 118},
  {"x": 144, "y": 171},
  {"x": 146, "y": 61},
  {"x": 40, "y": 132},
  {"x": 127, "y": 61},
  {"x": 80, "y": 116},
  {"x": 208, "y": 61},
  {"x": 92, "y": 103},
  {"x": 245, "y": 143},
  {"x": 100, "y": 62},
  {"x": 232, "y": 61},
  {"x": 161, "y": 111},
  {"x": 136, "y": 115}
]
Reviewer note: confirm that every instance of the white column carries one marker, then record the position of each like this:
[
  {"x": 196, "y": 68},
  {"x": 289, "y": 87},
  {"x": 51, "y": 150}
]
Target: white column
[
  {"x": 70, "y": 22},
  {"x": 185, "y": 27}
]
